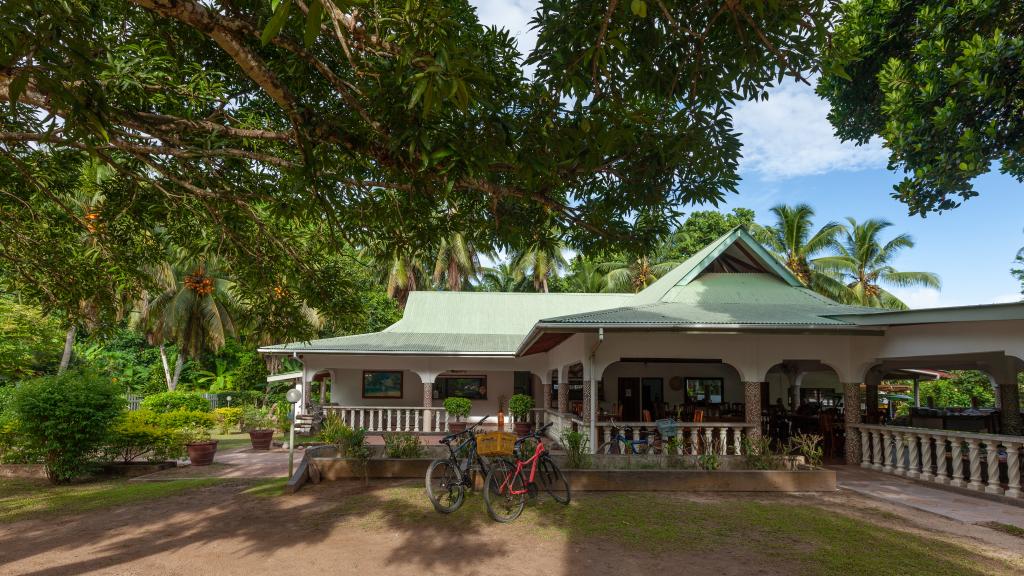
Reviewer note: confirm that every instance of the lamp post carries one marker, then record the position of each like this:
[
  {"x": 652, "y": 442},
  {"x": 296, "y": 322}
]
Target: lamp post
[
  {"x": 292, "y": 396},
  {"x": 229, "y": 401}
]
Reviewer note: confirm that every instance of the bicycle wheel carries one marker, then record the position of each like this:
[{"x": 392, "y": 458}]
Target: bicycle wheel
[
  {"x": 502, "y": 504},
  {"x": 444, "y": 486},
  {"x": 551, "y": 479}
]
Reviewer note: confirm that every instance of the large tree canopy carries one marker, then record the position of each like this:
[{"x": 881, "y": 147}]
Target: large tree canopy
[
  {"x": 275, "y": 131},
  {"x": 941, "y": 82}
]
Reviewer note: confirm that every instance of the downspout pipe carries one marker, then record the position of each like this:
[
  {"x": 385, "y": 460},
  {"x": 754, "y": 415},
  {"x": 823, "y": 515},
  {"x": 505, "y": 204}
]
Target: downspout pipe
[{"x": 593, "y": 391}]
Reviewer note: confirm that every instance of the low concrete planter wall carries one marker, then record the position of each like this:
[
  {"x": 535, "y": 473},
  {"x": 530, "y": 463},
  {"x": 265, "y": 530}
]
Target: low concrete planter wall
[
  {"x": 341, "y": 469},
  {"x": 22, "y": 471},
  {"x": 819, "y": 480}
]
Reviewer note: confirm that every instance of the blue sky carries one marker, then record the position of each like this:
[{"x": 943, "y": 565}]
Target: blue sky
[{"x": 791, "y": 156}]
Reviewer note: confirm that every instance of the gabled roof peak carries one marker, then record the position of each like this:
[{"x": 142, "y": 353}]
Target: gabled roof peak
[{"x": 736, "y": 251}]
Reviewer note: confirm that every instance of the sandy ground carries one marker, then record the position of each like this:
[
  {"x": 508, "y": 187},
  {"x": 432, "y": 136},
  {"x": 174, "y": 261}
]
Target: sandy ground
[{"x": 220, "y": 530}]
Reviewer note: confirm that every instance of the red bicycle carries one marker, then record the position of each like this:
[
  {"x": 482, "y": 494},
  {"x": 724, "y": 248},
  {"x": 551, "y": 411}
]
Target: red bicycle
[{"x": 507, "y": 486}]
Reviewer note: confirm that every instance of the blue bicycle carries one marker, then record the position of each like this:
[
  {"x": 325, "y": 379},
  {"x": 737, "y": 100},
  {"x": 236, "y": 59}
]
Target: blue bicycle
[{"x": 621, "y": 443}]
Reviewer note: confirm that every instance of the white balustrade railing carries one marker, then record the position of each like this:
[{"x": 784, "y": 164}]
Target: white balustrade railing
[
  {"x": 993, "y": 460},
  {"x": 391, "y": 418},
  {"x": 693, "y": 438}
]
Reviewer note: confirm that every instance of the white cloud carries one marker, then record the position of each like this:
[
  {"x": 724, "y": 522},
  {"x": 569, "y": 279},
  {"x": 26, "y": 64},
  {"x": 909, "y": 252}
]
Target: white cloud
[
  {"x": 513, "y": 15},
  {"x": 789, "y": 135},
  {"x": 928, "y": 298}
]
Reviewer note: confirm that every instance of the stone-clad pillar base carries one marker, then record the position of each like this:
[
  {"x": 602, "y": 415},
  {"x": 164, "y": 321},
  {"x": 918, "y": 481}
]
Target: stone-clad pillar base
[
  {"x": 851, "y": 417},
  {"x": 752, "y": 407}
]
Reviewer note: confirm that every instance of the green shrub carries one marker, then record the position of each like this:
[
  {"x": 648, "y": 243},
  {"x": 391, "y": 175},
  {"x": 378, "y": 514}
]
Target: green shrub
[
  {"x": 808, "y": 446},
  {"x": 67, "y": 417},
  {"x": 254, "y": 418},
  {"x": 758, "y": 454},
  {"x": 520, "y": 405},
  {"x": 708, "y": 461},
  {"x": 194, "y": 434},
  {"x": 228, "y": 419},
  {"x": 135, "y": 435},
  {"x": 175, "y": 401},
  {"x": 577, "y": 448},
  {"x": 458, "y": 407},
  {"x": 332, "y": 429},
  {"x": 402, "y": 445},
  {"x": 281, "y": 411},
  {"x": 180, "y": 419}
]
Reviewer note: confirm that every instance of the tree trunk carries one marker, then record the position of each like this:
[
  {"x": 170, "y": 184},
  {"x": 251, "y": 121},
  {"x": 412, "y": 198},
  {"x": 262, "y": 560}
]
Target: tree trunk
[
  {"x": 167, "y": 369},
  {"x": 177, "y": 370},
  {"x": 544, "y": 284},
  {"x": 69, "y": 342}
]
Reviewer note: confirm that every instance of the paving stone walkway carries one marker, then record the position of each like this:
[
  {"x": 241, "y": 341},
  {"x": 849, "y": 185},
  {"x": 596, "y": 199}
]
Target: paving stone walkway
[
  {"x": 950, "y": 504},
  {"x": 233, "y": 463}
]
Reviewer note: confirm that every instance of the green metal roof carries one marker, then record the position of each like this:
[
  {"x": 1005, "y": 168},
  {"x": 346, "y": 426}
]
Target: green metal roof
[
  {"x": 472, "y": 323},
  {"x": 733, "y": 299},
  {"x": 695, "y": 294},
  {"x": 976, "y": 313}
]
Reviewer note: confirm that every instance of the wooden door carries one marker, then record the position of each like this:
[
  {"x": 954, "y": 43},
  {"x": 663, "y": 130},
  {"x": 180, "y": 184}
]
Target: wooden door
[{"x": 629, "y": 398}]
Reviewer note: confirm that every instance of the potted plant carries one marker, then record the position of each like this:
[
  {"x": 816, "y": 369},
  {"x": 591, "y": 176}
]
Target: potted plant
[
  {"x": 520, "y": 406},
  {"x": 459, "y": 408},
  {"x": 201, "y": 448},
  {"x": 260, "y": 427}
]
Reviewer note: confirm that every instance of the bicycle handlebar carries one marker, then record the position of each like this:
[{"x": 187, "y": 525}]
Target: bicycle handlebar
[{"x": 451, "y": 437}]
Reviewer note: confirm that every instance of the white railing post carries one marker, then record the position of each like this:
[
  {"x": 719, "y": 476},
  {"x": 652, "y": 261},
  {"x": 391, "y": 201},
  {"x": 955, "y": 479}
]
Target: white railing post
[
  {"x": 992, "y": 457},
  {"x": 1013, "y": 488},
  {"x": 941, "y": 472},
  {"x": 957, "y": 481},
  {"x": 887, "y": 449},
  {"x": 865, "y": 447},
  {"x": 974, "y": 457},
  {"x": 878, "y": 457},
  {"x": 901, "y": 468},
  {"x": 910, "y": 440},
  {"x": 737, "y": 439},
  {"x": 723, "y": 445},
  {"x": 926, "y": 458}
]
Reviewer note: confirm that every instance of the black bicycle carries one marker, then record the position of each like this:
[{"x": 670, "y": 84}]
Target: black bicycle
[{"x": 448, "y": 478}]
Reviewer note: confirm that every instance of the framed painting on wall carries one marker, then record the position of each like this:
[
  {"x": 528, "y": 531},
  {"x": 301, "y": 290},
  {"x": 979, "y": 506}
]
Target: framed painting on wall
[{"x": 382, "y": 384}]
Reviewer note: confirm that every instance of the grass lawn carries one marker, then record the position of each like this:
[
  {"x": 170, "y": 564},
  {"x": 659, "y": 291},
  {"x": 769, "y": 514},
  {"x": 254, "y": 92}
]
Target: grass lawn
[
  {"x": 807, "y": 537},
  {"x": 21, "y": 499}
]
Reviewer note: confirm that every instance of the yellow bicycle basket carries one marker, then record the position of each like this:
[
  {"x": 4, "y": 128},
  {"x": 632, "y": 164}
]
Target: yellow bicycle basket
[{"x": 495, "y": 443}]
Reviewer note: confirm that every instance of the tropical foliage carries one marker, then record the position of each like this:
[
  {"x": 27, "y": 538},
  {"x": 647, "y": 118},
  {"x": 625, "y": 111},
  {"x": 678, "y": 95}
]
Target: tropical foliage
[
  {"x": 939, "y": 82},
  {"x": 794, "y": 244},
  {"x": 30, "y": 341},
  {"x": 864, "y": 263}
]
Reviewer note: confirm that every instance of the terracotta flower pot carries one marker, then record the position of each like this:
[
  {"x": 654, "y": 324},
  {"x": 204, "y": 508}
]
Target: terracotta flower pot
[
  {"x": 201, "y": 453},
  {"x": 522, "y": 428},
  {"x": 456, "y": 427},
  {"x": 261, "y": 439}
]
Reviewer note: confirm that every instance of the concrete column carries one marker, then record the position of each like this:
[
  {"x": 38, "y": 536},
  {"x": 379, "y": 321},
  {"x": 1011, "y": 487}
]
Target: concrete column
[
  {"x": 917, "y": 391},
  {"x": 589, "y": 413},
  {"x": 752, "y": 407},
  {"x": 851, "y": 417},
  {"x": 563, "y": 391},
  {"x": 546, "y": 392},
  {"x": 794, "y": 399},
  {"x": 428, "y": 394},
  {"x": 871, "y": 402},
  {"x": 1005, "y": 375}
]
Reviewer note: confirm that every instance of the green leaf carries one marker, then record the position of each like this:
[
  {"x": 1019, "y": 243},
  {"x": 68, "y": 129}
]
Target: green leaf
[
  {"x": 639, "y": 8},
  {"x": 17, "y": 87},
  {"x": 417, "y": 92},
  {"x": 313, "y": 19},
  {"x": 276, "y": 22}
]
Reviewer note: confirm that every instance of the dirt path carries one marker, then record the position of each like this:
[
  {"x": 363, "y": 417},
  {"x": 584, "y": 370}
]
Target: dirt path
[{"x": 342, "y": 528}]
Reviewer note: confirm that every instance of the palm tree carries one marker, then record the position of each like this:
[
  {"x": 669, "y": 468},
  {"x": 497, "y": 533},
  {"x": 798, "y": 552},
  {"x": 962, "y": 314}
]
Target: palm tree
[
  {"x": 541, "y": 259},
  {"x": 633, "y": 274},
  {"x": 586, "y": 276},
  {"x": 193, "y": 308},
  {"x": 502, "y": 278},
  {"x": 457, "y": 262},
  {"x": 863, "y": 264},
  {"x": 792, "y": 242},
  {"x": 400, "y": 267}
]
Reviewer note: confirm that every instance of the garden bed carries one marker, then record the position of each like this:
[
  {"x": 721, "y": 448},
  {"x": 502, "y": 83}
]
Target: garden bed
[
  {"x": 103, "y": 470},
  {"x": 610, "y": 473}
]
